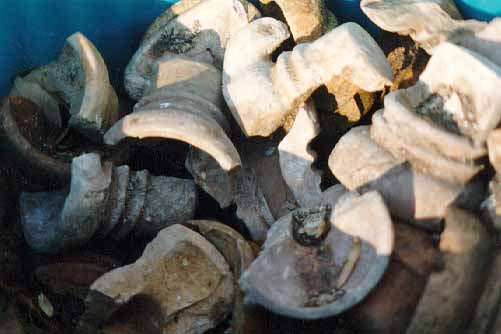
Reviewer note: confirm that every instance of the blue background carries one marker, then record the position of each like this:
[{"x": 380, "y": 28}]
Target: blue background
[{"x": 32, "y": 32}]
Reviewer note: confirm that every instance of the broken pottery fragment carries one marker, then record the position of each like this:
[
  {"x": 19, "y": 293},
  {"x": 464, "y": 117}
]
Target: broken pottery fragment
[
  {"x": 388, "y": 309},
  {"x": 296, "y": 158},
  {"x": 261, "y": 156},
  {"x": 239, "y": 187},
  {"x": 284, "y": 86},
  {"x": 257, "y": 188},
  {"x": 80, "y": 78},
  {"x": 494, "y": 146},
  {"x": 317, "y": 263},
  {"x": 440, "y": 125},
  {"x": 488, "y": 306},
  {"x": 428, "y": 22},
  {"x": 487, "y": 41},
  {"x": 73, "y": 275},
  {"x": 350, "y": 100},
  {"x": 32, "y": 91},
  {"x": 182, "y": 275},
  {"x": 104, "y": 200},
  {"x": 307, "y": 20},
  {"x": 186, "y": 106},
  {"x": 183, "y": 6},
  {"x": 359, "y": 163},
  {"x": 492, "y": 204},
  {"x": 239, "y": 255},
  {"x": 200, "y": 32},
  {"x": 25, "y": 138},
  {"x": 466, "y": 247}
]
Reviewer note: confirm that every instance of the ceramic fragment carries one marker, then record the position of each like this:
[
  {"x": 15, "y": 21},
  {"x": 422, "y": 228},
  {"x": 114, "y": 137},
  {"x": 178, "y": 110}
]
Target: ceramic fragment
[
  {"x": 299, "y": 281},
  {"x": 284, "y": 86}
]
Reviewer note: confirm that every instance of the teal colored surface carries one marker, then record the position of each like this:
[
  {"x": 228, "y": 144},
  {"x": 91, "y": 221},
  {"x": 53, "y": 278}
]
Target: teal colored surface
[
  {"x": 479, "y": 9},
  {"x": 32, "y": 32}
]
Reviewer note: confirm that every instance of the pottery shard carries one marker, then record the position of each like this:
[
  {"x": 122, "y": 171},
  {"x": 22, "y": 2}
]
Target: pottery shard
[
  {"x": 440, "y": 125},
  {"x": 34, "y": 92},
  {"x": 389, "y": 308},
  {"x": 494, "y": 146},
  {"x": 360, "y": 163},
  {"x": 489, "y": 304},
  {"x": 199, "y": 32},
  {"x": 183, "y": 275},
  {"x": 239, "y": 255},
  {"x": 350, "y": 100},
  {"x": 428, "y": 22},
  {"x": 183, "y": 6},
  {"x": 307, "y": 19},
  {"x": 492, "y": 204},
  {"x": 80, "y": 76},
  {"x": 487, "y": 41},
  {"x": 466, "y": 247},
  {"x": 301, "y": 281},
  {"x": 296, "y": 158}
]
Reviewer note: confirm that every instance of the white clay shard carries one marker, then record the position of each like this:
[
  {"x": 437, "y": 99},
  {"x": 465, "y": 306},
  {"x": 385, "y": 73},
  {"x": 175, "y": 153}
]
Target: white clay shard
[
  {"x": 359, "y": 163},
  {"x": 282, "y": 87},
  {"x": 200, "y": 33},
  {"x": 307, "y": 19},
  {"x": 81, "y": 79},
  {"x": 183, "y": 6},
  {"x": 440, "y": 125},
  {"x": 300, "y": 281},
  {"x": 427, "y": 22},
  {"x": 185, "y": 104},
  {"x": 494, "y": 145},
  {"x": 422, "y": 158},
  {"x": 296, "y": 158}
]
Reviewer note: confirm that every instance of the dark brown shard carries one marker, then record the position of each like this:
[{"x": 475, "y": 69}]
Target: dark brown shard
[
  {"x": 26, "y": 138},
  {"x": 450, "y": 296}
]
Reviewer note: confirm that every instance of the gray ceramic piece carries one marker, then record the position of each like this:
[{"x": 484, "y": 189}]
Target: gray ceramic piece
[
  {"x": 103, "y": 200},
  {"x": 300, "y": 281}
]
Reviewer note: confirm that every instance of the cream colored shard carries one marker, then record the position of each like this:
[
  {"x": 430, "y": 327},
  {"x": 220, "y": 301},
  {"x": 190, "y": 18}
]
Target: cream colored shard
[
  {"x": 185, "y": 104},
  {"x": 282, "y": 87},
  {"x": 296, "y": 158},
  {"x": 200, "y": 32},
  {"x": 440, "y": 125},
  {"x": 307, "y": 19},
  {"x": 428, "y": 22}
]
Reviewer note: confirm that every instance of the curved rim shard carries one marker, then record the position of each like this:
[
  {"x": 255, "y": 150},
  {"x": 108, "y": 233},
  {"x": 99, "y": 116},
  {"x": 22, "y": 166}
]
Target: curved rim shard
[
  {"x": 176, "y": 124},
  {"x": 99, "y": 104}
]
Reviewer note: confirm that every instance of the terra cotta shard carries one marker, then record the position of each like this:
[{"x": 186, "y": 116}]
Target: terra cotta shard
[{"x": 181, "y": 273}]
